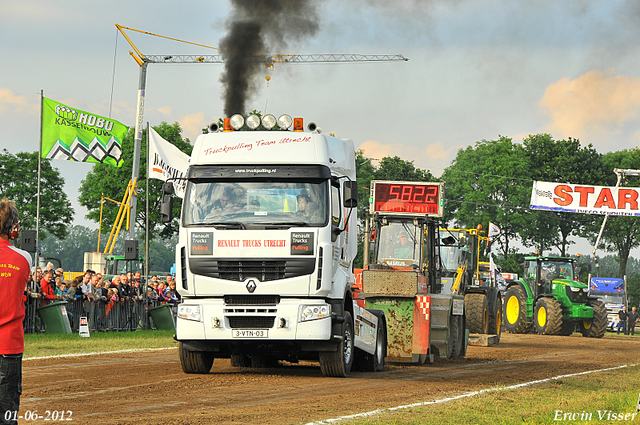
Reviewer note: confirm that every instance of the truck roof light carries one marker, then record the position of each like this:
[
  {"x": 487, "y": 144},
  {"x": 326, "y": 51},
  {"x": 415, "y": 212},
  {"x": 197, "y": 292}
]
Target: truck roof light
[
  {"x": 253, "y": 122},
  {"x": 227, "y": 125},
  {"x": 298, "y": 124},
  {"x": 237, "y": 121},
  {"x": 268, "y": 121},
  {"x": 285, "y": 121}
]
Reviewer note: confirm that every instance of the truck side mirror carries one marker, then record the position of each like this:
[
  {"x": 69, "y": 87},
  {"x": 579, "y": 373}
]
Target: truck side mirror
[
  {"x": 166, "y": 208},
  {"x": 350, "y": 194}
]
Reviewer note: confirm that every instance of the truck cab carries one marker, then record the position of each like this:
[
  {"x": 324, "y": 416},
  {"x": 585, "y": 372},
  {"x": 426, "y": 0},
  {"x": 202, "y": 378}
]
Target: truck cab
[{"x": 265, "y": 253}]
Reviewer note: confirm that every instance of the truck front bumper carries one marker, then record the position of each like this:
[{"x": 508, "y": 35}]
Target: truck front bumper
[{"x": 211, "y": 319}]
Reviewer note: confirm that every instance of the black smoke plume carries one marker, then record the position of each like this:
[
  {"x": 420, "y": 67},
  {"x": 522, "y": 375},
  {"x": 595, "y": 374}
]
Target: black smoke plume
[{"x": 258, "y": 28}]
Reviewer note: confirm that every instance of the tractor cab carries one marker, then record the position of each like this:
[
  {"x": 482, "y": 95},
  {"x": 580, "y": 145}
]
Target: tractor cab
[
  {"x": 551, "y": 275},
  {"x": 398, "y": 244}
]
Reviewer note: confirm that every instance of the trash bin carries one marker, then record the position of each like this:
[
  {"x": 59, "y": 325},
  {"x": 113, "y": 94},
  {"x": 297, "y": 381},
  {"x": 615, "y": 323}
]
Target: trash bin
[
  {"x": 162, "y": 317},
  {"x": 54, "y": 317}
]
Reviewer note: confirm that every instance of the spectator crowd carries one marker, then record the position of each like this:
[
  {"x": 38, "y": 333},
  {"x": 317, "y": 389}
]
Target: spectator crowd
[{"x": 92, "y": 295}]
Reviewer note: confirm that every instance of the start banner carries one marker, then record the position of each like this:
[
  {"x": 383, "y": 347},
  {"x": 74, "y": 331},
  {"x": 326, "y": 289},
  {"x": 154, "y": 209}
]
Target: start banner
[{"x": 586, "y": 199}]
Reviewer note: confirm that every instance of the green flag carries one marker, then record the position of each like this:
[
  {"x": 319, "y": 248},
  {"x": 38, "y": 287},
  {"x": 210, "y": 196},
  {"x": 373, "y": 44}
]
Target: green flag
[{"x": 76, "y": 135}]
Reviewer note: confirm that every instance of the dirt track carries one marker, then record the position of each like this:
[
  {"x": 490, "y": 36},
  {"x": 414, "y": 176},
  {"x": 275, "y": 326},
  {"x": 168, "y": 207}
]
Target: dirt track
[{"x": 150, "y": 387}]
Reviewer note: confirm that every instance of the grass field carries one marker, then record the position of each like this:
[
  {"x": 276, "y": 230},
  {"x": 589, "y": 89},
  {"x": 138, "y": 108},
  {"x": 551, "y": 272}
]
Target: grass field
[
  {"x": 39, "y": 345},
  {"x": 597, "y": 398}
]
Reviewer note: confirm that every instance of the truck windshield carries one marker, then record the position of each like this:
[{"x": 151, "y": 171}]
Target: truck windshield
[{"x": 260, "y": 203}]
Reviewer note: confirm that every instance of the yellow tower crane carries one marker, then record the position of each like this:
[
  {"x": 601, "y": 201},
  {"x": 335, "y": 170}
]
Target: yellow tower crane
[{"x": 269, "y": 60}]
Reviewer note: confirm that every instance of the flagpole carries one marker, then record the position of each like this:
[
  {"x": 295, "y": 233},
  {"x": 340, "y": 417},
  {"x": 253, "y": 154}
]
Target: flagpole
[
  {"x": 38, "y": 193},
  {"x": 146, "y": 225}
]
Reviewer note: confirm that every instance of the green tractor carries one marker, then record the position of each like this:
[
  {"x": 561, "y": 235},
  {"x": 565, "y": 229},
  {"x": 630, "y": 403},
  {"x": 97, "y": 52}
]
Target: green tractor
[{"x": 551, "y": 302}]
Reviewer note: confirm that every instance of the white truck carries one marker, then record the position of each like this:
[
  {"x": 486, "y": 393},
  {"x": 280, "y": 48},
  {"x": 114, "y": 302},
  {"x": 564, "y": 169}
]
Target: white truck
[{"x": 266, "y": 246}]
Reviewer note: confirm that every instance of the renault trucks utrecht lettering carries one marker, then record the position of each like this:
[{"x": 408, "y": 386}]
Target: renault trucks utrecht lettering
[{"x": 264, "y": 259}]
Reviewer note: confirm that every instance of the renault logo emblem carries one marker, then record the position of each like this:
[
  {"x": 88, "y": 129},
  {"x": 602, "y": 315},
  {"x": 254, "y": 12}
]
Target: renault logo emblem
[{"x": 251, "y": 286}]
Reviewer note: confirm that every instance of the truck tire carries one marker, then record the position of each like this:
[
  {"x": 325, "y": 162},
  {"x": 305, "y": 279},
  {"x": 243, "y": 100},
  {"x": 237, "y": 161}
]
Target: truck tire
[
  {"x": 597, "y": 327},
  {"x": 515, "y": 309},
  {"x": 338, "y": 363},
  {"x": 240, "y": 360},
  {"x": 495, "y": 319},
  {"x": 477, "y": 307},
  {"x": 365, "y": 362},
  {"x": 547, "y": 316},
  {"x": 567, "y": 328},
  {"x": 195, "y": 361},
  {"x": 375, "y": 362}
]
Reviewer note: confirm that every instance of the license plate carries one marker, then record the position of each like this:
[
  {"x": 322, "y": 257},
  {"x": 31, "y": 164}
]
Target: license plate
[{"x": 250, "y": 333}]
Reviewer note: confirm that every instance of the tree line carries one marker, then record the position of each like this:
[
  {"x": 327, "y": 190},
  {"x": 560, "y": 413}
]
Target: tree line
[{"x": 489, "y": 181}]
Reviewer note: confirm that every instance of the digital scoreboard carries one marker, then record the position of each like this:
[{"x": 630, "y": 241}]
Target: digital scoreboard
[{"x": 407, "y": 198}]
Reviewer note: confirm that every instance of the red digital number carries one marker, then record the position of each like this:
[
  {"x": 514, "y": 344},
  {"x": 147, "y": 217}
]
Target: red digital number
[
  {"x": 396, "y": 191},
  {"x": 406, "y": 192},
  {"x": 407, "y": 198},
  {"x": 418, "y": 194},
  {"x": 432, "y": 194}
]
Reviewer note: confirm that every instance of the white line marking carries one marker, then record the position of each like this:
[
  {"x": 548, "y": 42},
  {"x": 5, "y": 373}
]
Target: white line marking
[
  {"x": 458, "y": 397},
  {"x": 131, "y": 350}
]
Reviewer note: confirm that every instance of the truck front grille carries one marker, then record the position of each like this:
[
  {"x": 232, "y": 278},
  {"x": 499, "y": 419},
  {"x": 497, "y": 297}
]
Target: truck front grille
[
  {"x": 262, "y": 270},
  {"x": 251, "y": 299},
  {"x": 251, "y": 322}
]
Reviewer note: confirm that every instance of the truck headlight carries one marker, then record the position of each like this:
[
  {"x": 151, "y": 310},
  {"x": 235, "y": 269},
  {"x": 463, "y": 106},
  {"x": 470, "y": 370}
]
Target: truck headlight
[
  {"x": 190, "y": 312},
  {"x": 314, "y": 312}
]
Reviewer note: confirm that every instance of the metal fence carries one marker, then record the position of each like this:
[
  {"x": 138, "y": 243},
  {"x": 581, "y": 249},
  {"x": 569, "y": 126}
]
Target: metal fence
[{"x": 102, "y": 315}]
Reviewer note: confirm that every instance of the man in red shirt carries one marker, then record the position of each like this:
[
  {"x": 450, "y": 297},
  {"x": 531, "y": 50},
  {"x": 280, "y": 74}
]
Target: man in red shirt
[
  {"x": 14, "y": 273},
  {"x": 46, "y": 289}
]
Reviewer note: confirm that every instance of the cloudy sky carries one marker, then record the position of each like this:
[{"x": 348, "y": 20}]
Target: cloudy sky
[{"x": 476, "y": 70}]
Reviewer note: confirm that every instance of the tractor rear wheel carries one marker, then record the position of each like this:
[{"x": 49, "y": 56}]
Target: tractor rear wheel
[
  {"x": 597, "y": 327},
  {"x": 495, "y": 320},
  {"x": 477, "y": 308},
  {"x": 567, "y": 328},
  {"x": 515, "y": 308},
  {"x": 547, "y": 316}
]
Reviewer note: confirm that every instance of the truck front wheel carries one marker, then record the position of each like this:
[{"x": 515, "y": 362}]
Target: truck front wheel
[
  {"x": 195, "y": 361},
  {"x": 338, "y": 363}
]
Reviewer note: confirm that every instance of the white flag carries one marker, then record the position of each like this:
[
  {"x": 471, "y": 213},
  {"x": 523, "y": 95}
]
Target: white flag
[
  {"x": 167, "y": 161},
  {"x": 493, "y": 229}
]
